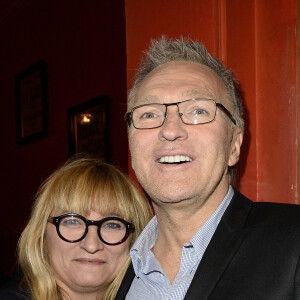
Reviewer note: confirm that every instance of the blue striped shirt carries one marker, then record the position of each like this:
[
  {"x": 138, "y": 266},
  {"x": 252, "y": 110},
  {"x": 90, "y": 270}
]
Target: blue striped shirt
[{"x": 151, "y": 283}]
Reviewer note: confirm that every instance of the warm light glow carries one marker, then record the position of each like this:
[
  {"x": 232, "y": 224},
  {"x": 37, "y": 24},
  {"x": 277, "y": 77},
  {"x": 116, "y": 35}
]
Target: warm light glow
[{"x": 86, "y": 118}]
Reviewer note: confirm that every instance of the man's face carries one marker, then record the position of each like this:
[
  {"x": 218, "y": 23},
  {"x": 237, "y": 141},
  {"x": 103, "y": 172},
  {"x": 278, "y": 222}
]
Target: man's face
[{"x": 210, "y": 147}]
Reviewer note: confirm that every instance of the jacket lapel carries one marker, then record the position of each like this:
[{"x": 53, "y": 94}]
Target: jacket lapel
[
  {"x": 126, "y": 283},
  {"x": 221, "y": 249}
]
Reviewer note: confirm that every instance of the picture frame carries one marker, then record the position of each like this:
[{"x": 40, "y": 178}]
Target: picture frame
[
  {"x": 89, "y": 128},
  {"x": 31, "y": 103}
]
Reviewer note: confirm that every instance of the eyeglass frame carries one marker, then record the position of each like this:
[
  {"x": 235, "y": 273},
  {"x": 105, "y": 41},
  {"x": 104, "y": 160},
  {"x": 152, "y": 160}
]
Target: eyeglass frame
[
  {"x": 57, "y": 220},
  {"x": 128, "y": 115}
]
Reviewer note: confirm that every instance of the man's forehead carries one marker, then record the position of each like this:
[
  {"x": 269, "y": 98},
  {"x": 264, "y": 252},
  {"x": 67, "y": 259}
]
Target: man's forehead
[
  {"x": 184, "y": 95},
  {"x": 182, "y": 66},
  {"x": 196, "y": 80}
]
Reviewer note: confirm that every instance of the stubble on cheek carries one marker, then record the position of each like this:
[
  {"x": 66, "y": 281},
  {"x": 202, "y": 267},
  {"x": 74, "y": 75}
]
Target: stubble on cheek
[{"x": 137, "y": 150}]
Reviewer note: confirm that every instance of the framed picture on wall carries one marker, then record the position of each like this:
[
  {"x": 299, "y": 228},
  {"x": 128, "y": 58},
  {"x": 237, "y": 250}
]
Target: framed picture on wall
[
  {"x": 89, "y": 128},
  {"x": 31, "y": 103}
]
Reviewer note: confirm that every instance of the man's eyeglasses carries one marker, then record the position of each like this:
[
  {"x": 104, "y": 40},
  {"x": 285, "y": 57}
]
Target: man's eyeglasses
[
  {"x": 193, "y": 111},
  {"x": 73, "y": 228}
]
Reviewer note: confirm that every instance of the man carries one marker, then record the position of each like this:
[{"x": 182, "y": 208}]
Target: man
[{"x": 207, "y": 241}]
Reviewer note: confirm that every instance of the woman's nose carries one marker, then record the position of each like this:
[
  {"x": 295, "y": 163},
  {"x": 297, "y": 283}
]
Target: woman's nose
[{"x": 92, "y": 243}]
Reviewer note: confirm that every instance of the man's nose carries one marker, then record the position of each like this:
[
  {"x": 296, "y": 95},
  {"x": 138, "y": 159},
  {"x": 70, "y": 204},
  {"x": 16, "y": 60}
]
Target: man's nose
[
  {"x": 92, "y": 243},
  {"x": 173, "y": 127}
]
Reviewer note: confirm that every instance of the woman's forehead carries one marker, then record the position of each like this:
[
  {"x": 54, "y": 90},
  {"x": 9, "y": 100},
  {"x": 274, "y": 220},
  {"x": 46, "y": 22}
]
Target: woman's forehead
[{"x": 83, "y": 206}]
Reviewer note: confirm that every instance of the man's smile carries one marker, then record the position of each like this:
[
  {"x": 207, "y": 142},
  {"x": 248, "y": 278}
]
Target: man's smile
[{"x": 170, "y": 159}]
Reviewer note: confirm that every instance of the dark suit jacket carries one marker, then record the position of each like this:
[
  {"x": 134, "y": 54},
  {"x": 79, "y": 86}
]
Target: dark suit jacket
[{"x": 253, "y": 255}]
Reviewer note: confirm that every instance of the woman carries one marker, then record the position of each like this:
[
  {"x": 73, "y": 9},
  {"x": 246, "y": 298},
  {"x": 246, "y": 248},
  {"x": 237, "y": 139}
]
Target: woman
[{"x": 86, "y": 217}]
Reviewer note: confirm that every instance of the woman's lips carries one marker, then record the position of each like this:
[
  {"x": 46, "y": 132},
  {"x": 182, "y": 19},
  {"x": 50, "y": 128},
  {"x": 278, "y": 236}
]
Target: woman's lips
[{"x": 90, "y": 261}]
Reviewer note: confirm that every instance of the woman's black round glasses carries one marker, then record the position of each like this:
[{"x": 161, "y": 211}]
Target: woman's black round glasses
[{"x": 73, "y": 228}]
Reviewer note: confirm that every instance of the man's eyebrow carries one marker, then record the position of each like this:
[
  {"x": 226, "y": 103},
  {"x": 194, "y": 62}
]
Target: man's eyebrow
[
  {"x": 197, "y": 94},
  {"x": 148, "y": 99},
  {"x": 185, "y": 96}
]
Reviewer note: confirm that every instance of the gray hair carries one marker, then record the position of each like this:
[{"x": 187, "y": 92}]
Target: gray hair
[{"x": 168, "y": 50}]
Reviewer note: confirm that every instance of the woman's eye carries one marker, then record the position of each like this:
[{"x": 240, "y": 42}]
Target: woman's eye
[
  {"x": 71, "y": 222},
  {"x": 112, "y": 226}
]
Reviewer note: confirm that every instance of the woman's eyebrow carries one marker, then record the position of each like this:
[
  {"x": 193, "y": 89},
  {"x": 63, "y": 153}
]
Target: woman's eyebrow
[{"x": 112, "y": 215}]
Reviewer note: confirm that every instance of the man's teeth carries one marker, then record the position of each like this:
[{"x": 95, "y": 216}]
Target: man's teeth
[{"x": 174, "y": 159}]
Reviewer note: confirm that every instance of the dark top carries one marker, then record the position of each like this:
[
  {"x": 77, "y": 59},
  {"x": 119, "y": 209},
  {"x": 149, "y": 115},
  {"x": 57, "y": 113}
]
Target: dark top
[
  {"x": 11, "y": 294},
  {"x": 11, "y": 290}
]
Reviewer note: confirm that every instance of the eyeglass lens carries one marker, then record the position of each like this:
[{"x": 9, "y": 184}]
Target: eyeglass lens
[
  {"x": 196, "y": 111},
  {"x": 73, "y": 228}
]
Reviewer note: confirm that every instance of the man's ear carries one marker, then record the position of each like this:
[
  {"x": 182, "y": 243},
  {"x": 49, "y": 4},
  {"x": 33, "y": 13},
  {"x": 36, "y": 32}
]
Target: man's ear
[{"x": 236, "y": 144}]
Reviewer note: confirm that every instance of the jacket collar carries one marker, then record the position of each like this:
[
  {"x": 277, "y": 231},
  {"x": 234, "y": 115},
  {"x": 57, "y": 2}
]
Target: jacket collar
[{"x": 223, "y": 246}]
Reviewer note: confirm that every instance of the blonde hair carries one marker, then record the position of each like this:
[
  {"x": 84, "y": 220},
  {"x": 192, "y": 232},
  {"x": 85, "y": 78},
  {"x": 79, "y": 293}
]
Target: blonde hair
[{"x": 80, "y": 186}]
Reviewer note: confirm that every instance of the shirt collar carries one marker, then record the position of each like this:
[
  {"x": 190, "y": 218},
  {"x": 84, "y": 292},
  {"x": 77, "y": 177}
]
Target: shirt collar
[
  {"x": 140, "y": 251},
  {"x": 203, "y": 236}
]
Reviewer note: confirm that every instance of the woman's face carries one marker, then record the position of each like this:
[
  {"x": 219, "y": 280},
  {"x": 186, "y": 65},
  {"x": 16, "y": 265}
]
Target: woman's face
[{"x": 87, "y": 266}]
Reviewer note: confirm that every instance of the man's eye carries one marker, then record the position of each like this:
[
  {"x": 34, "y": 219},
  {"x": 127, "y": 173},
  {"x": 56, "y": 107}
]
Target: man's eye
[
  {"x": 200, "y": 111},
  {"x": 148, "y": 115}
]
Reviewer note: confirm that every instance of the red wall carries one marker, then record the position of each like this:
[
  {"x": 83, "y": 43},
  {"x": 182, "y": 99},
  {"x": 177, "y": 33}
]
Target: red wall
[
  {"x": 83, "y": 45},
  {"x": 258, "y": 40}
]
